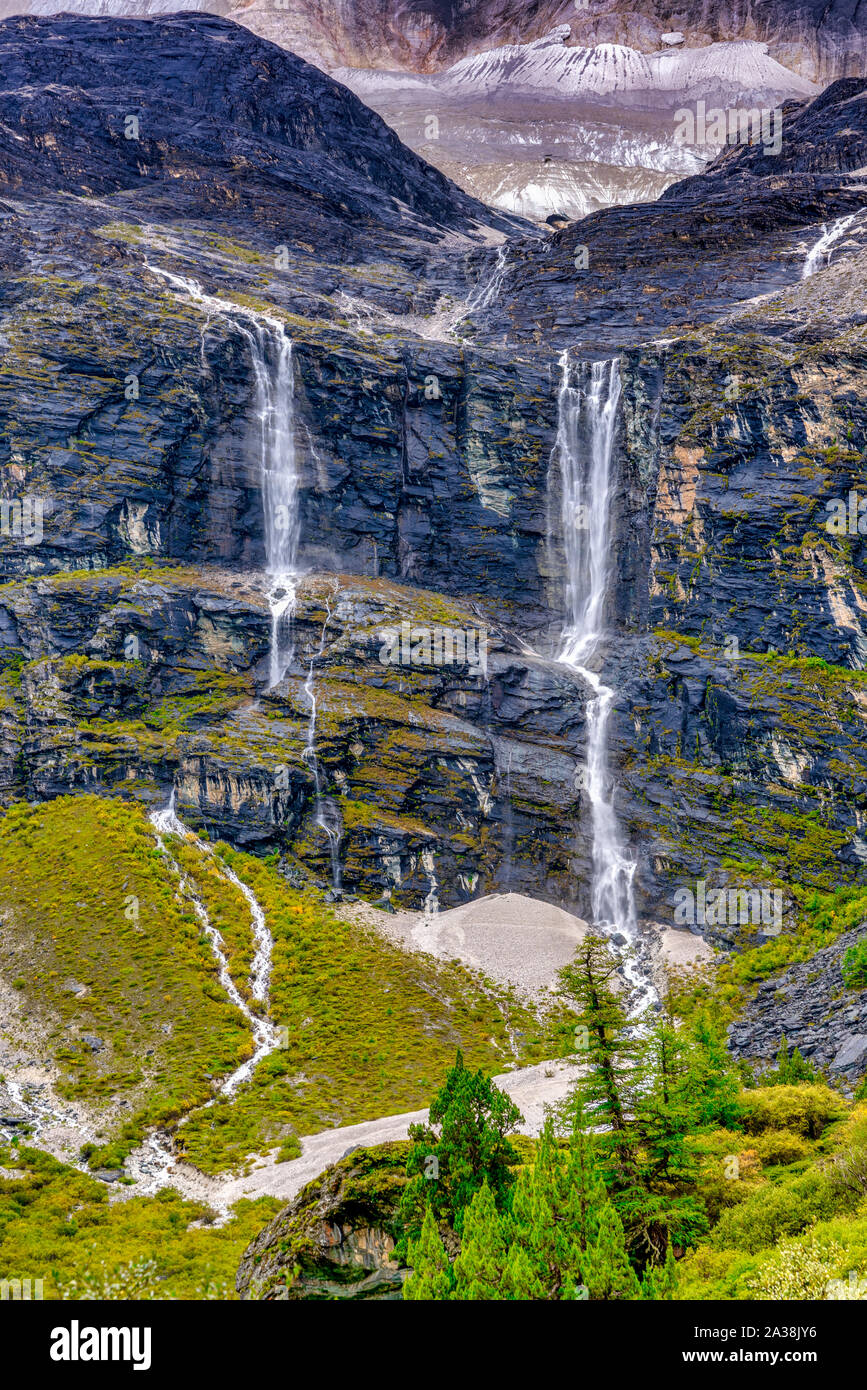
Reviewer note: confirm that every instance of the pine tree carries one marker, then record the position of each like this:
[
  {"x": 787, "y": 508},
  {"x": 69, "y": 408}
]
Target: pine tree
[
  {"x": 521, "y": 1280},
  {"x": 713, "y": 1082},
  {"x": 606, "y": 1093},
  {"x": 463, "y": 1145},
  {"x": 555, "y": 1214},
  {"x": 585, "y": 1188},
  {"x": 667, "y": 1108},
  {"x": 659, "y": 1282},
  {"x": 480, "y": 1267},
  {"x": 431, "y": 1276},
  {"x": 790, "y": 1070},
  {"x": 607, "y": 1271}
]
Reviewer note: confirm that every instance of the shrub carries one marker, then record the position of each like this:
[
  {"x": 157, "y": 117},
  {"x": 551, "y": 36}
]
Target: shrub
[
  {"x": 854, "y": 966},
  {"x": 774, "y": 1211},
  {"x": 797, "y": 1270},
  {"x": 781, "y": 1146},
  {"x": 804, "y": 1110}
]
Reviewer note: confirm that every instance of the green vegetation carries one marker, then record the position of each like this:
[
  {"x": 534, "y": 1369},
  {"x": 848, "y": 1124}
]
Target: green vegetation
[
  {"x": 95, "y": 930},
  {"x": 732, "y": 981},
  {"x": 57, "y": 1224},
  {"x": 854, "y": 966},
  {"x": 659, "y": 1178},
  {"x": 369, "y": 1028},
  {"x": 104, "y": 945}
]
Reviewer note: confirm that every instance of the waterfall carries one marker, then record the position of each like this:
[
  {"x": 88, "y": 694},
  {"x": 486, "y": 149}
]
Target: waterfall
[
  {"x": 270, "y": 350},
  {"x": 265, "y": 1036},
  {"x": 273, "y": 370},
  {"x": 488, "y": 287},
  {"x": 819, "y": 254},
  {"x": 587, "y": 414},
  {"x": 326, "y": 814}
]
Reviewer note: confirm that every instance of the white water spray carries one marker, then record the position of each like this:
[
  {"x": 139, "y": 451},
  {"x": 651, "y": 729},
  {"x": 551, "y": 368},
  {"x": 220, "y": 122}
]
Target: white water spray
[
  {"x": 587, "y": 414},
  {"x": 274, "y": 379},
  {"x": 487, "y": 288},
  {"x": 819, "y": 254},
  {"x": 326, "y": 814}
]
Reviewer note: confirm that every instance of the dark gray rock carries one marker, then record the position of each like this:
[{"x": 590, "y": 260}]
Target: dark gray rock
[{"x": 811, "y": 1007}]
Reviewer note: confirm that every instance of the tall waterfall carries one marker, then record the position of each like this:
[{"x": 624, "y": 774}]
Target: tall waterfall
[
  {"x": 274, "y": 381},
  {"x": 587, "y": 414},
  {"x": 325, "y": 810},
  {"x": 819, "y": 254},
  {"x": 273, "y": 369}
]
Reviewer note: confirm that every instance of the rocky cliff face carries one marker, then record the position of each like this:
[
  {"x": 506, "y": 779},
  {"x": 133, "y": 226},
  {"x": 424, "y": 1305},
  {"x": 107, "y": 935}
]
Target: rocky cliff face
[
  {"x": 135, "y": 627},
  {"x": 334, "y": 1241},
  {"x": 817, "y": 39},
  {"x": 812, "y": 1007}
]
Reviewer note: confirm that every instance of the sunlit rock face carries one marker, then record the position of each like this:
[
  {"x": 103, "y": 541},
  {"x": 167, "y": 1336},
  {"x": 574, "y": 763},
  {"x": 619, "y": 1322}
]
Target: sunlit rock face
[
  {"x": 426, "y": 332},
  {"x": 550, "y": 128}
]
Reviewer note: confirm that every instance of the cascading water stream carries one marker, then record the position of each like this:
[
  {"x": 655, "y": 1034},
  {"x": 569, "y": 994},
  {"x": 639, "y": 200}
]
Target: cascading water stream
[
  {"x": 587, "y": 414},
  {"x": 487, "y": 288},
  {"x": 326, "y": 814},
  {"x": 274, "y": 380},
  {"x": 150, "y": 1164},
  {"x": 265, "y": 1036},
  {"x": 819, "y": 254}
]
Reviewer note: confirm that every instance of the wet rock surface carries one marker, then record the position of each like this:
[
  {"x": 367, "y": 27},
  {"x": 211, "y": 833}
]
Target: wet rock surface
[
  {"x": 811, "y": 1007},
  {"x": 429, "y": 483}
]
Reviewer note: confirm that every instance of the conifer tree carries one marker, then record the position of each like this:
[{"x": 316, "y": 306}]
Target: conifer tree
[
  {"x": 659, "y": 1282},
  {"x": 713, "y": 1081},
  {"x": 480, "y": 1267},
  {"x": 607, "y": 1271},
  {"x": 431, "y": 1276},
  {"x": 606, "y": 1093},
  {"x": 463, "y": 1145},
  {"x": 521, "y": 1280},
  {"x": 667, "y": 1107},
  {"x": 790, "y": 1070}
]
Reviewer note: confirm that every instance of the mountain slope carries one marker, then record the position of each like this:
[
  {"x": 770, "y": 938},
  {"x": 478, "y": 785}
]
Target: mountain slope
[
  {"x": 155, "y": 110},
  {"x": 819, "y": 39}
]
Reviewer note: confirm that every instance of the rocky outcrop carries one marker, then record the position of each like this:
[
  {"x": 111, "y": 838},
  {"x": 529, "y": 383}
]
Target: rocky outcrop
[
  {"x": 335, "y": 1240},
  {"x": 821, "y": 40},
  {"x": 134, "y": 628},
  {"x": 810, "y": 1006}
]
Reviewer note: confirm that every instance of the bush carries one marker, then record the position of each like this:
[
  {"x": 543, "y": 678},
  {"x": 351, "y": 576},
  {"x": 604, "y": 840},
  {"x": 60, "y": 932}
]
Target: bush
[
  {"x": 854, "y": 966},
  {"x": 798, "y": 1270},
  {"x": 804, "y": 1110},
  {"x": 774, "y": 1211},
  {"x": 780, "y": 1146}
]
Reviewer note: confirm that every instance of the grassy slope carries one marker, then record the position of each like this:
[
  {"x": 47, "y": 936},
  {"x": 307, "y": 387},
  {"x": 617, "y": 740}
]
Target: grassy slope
[
  {"x": 87, "y": 899},
  {"x": 370, "y": 1028},
  {"x": 56, "y": 1224}
]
